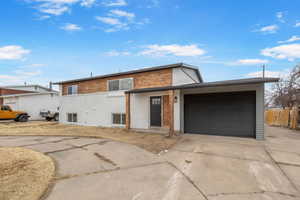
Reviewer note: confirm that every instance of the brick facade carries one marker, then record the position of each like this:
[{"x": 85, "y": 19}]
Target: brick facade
[
  {"x": 156, "y": 78},
  {"x": 166, "y": 111}
]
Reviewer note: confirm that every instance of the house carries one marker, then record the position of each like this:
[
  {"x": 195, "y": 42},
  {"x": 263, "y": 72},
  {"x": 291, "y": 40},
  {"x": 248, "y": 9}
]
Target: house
[
  {"x": 7, "y": 91},
  {"x": 170, "y": 98},
  {"x": 32, "y": 99}
]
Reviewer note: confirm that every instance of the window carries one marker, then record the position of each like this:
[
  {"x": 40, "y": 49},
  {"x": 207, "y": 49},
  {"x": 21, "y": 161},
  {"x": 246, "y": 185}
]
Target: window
[
  {"x": 121, "y": 84},
  {"x": 72, "y": 89},
  {"x": 72, "y": 117},
  {"x": 119, "y": 118},
  {"x": 7, "y": 108}
]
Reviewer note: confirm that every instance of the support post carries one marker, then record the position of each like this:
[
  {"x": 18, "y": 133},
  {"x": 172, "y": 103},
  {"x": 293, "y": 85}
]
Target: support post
[
  {"x": 127, "y": 96},
  {"x": 171, "y": 104}
]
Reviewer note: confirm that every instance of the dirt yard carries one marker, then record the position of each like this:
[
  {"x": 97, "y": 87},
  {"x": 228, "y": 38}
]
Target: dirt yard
[
  {"x": 152, "y": 142},
  {"x": 24, "y": 174}
]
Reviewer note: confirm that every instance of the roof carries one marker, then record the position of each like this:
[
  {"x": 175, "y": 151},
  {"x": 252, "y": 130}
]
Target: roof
[
  {"x": 24, "y": 86},
  {"x": 147, "y": 69},
  {"x": 28, "y": 94},
  {"x": 207, "y": 84}
]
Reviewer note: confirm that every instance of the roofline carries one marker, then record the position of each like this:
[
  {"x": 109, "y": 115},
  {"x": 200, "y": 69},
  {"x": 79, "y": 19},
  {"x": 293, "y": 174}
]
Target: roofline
[
  {"x": 32, "y": 85},
  {"x": 137, "y": 71},
  {"x": 208, "y": 84},
  {"x": 28, "y": 94}
]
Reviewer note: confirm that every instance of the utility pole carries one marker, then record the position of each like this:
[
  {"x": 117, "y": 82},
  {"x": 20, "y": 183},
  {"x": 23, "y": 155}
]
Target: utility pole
[{"x": 264, "y": 70}]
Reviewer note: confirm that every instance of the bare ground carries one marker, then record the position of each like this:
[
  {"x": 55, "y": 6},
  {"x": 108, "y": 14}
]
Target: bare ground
[
  {"x": 24, "y": 174},
  {"x": 152, "y": 142}
]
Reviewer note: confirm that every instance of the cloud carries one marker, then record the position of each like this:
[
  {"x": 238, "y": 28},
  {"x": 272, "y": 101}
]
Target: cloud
[
  {"x": 87, "y": 3},
  {"x": 292, "y": 39},
  {"x": 71, "y": 27},
  {"x": 268, "y": 29},
  {"x": 251, "y": 61},
  {"x": 116, "y": 24},
  {"x": 13, "y": 52},
  {"x": 275, "y": 74},
  {"x": 58, "y": 7},
  {"x": 115, "y": 3},
  {"x": 117, "y": 53},
  {"x": 297, "y": 24},
  {"x": 280, "y": 17},
  {"x": 121, "y": 13},
  {"x": 18, "y": 77},
  {"x": 173, "y": 49},
  {"x": 287, "y": 51}
]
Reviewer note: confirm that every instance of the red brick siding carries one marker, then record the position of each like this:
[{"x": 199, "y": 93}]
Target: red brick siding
[{"x": 141, "y": 80}]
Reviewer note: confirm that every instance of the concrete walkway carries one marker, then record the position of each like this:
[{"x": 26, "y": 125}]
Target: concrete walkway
[{"x": 200, "y": 167}]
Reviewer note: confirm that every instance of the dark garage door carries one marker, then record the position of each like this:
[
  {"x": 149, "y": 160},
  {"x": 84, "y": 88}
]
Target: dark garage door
[{"x": 228, "y": 114}]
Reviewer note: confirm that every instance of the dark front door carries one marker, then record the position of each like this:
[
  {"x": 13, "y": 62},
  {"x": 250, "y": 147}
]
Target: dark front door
[
  {"x": 228, "y": 114},
  {"x": 155, "y": 111}
]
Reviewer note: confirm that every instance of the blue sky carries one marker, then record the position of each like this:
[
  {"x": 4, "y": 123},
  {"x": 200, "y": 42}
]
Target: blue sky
[{"x": 53, "y": 40}]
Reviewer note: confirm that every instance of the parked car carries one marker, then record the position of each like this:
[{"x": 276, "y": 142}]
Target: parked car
[{"x": 6, "y": 113}]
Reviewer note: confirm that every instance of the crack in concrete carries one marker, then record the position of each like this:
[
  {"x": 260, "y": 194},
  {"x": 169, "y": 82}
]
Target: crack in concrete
[
  {"x": 103, "y": 158},
  {"x": 189, "y": 180},
  {"x": 108, "y": 170},
  {"x": 223, "y": 156},
  {"x": 282, "y": 171},
  {"x": 289, "y": 164},
  {"x": 250, "y": 193}
]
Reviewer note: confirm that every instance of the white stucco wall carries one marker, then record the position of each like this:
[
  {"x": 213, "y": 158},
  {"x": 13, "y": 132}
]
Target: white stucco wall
[
  {"x": 34, "y": 104},
  {"x": 184, "y": 76},
  {"x": 92, "y": 109},
  {"x": 140, "y": 110},
  {"x": 29, "y": 88}
]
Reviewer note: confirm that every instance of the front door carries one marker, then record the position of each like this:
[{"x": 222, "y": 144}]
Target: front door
[{"x": 155, "y": 111}]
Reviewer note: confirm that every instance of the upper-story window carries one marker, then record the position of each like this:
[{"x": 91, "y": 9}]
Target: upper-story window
[
  {"x": 120, "y": 84},
  {"x": 72, "y": 89}
]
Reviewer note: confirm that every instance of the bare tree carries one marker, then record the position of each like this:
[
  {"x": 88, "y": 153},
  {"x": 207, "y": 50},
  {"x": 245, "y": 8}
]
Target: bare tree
[{"x": 284, "y": 92}]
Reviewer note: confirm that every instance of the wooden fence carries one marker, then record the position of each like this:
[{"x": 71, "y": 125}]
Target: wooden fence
[{"x": 282, "y": 117}]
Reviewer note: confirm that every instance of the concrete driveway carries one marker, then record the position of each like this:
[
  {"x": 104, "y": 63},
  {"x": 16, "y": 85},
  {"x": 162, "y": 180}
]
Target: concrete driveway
[{"x": 200, "y": 167}]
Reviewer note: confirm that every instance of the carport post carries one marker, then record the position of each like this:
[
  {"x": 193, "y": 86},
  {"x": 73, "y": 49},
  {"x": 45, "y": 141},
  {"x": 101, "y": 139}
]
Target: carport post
[
  {"x": 171, "y": 104},
  {"x": 127, "y": 96}
]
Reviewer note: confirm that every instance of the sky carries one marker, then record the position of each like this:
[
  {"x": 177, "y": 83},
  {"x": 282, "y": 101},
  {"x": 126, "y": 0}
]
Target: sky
[{"x": 56, "y": 40}]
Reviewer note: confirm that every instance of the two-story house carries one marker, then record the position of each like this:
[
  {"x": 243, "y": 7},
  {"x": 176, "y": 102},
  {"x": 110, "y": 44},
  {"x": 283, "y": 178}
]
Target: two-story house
[{"x": 171, "y": 98}]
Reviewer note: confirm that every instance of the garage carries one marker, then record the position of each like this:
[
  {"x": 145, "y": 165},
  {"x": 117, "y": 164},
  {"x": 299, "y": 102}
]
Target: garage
[{"x": 226, "y": 114}]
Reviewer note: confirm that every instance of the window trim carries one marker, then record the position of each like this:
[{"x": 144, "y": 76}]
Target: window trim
[
  {"x": 72, "y": 117},
  {"x": 71, "y": 86},
  {"x": 118, "y": 113},
  {"x": 130, "y": 78}
]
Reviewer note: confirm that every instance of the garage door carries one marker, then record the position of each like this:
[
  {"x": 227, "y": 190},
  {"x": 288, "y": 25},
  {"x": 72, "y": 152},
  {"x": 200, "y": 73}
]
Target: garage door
[{"x": 228, "y": 114}]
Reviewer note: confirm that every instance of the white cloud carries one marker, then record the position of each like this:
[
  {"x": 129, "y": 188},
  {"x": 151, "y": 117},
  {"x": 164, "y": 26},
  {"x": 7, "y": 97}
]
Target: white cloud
[
  {"x": 251, "y": 61},
  {"x": 59, "y": 7},
  {"x": 18, "y": 77},
  {"x": 297, "y": 24},
  {"x": 121, "y": 13},
  {"x": 292, "y": 39},
  {"x": 109, "y": 20},
  {"x": 280, "y": 17},
  {"x": 173, "y": 49},
  {"x": 275, "y": 74},
  {"x": 13, "y": 52},
  {"x": 71, "y": 27},
  {"x": 268, "y": 29},
  {"x": 87, "y": 3},
  {"x": 118, "y": 53},
  {"x": 287, "y": 51},
  {"x": 115, "y": 3}
]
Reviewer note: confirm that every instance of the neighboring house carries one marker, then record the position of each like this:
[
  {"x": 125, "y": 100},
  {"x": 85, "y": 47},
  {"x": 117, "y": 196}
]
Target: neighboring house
[
  {"x": 33, "y": 99},
  {"x": 170, "y": 98},
  {"x": 6, "y": 91}
]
